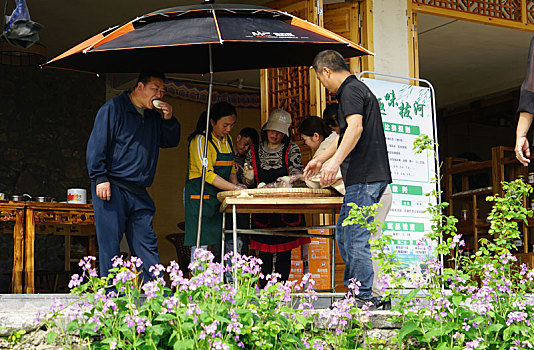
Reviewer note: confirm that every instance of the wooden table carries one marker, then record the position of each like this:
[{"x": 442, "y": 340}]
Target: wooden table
[
  {"x": 281, "y": 205},
  {"x": 53, "y": 213},
  {"x": 14, "y": 212}
]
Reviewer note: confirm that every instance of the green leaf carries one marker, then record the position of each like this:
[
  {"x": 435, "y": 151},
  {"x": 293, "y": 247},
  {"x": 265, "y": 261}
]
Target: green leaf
[
  {"x": 410, "y": 295},
  {"x": 407, "y": 328},
  {"x": 495, "y": 327},
  {"x": 184, "y": 344},
  {"x": 165, "y": 317},
  {"x": 222, "y": 319},
  {"x": 72, "y": 326},
  {"x": 436, "y": 332},
  {"x": 443, "y": 346},
  {"x": 51, "y": 337},
  {"x": 457, "y": 299}
]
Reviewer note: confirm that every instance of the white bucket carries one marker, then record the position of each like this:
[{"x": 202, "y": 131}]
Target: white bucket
[{"x": 76, "y": 196}]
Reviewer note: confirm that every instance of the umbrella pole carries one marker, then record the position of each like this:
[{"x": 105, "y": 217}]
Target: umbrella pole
[{"x": 205, "y": 153}]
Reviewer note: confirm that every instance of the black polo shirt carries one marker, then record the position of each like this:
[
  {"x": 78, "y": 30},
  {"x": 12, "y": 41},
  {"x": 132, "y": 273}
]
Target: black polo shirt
[{"x": 368, "y": 161}]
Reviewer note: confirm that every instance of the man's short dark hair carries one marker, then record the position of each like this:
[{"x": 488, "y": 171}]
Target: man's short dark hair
[
  {"x": 252, "y": 134},
  {"x": 144, "y": 77},
  {"x": 330, "y": 59}
]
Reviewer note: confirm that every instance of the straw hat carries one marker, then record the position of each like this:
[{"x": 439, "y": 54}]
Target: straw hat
[{"x": 279, "y": 120}]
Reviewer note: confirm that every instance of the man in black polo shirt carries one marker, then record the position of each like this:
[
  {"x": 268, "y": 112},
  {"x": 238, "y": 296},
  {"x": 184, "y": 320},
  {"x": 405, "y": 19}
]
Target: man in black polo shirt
[{"x": 361, "y": 153}]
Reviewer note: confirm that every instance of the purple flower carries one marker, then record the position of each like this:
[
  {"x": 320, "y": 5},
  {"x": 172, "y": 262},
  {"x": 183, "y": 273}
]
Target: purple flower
[
  {"x": 138, "y": 322},
  {"x": 473, "y": 344},
  {"x": 457, "y": 240},
  {"x": 136, "y": 261},
  {"x": 75, "y": 281},
  {"x": 86, "y": 263},
  {"x": 354, "y": 287},
  {"x": 123, "y": 276},
  {"x": 516, "y": 316},
  {"x": 117, "y": 261},
  {"x": 156, "y": 269},
  {"x": 151, "y": 288}
]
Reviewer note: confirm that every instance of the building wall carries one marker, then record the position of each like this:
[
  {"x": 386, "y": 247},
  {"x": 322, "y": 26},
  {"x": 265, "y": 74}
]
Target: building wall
[
  {"x": 390, "y": 37},
  {"x": 46, "y": 117}
]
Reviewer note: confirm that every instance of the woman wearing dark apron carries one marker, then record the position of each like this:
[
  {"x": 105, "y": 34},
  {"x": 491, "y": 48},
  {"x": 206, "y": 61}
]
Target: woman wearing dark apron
[
  {"x": 275, "y": 157},
  {"x": 220, "y": 176}
]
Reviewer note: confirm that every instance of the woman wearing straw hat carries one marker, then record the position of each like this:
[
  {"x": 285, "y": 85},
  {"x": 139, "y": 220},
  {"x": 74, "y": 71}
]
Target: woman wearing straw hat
[{"x": 275, "y": 157}]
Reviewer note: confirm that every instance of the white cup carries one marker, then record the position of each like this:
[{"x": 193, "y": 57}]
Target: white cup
[
  {"x": 2, "y": 196},
  {"x": 76, "y": 196}
]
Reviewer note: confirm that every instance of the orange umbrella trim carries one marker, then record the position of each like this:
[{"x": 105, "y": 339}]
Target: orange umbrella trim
[
  {"x": 128, "y": 27},
  {"x": 297, "y": 22},
  {"x": 78, "y": 48},
  {"x": 151, "y": 46}
]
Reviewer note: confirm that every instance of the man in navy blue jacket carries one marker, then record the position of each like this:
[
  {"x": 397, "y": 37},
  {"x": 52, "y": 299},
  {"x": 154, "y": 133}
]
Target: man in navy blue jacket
[{"x": 122, "y": 154}]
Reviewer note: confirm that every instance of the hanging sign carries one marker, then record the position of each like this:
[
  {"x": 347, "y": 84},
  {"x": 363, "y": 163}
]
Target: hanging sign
[{"x": 406, "y": 114}]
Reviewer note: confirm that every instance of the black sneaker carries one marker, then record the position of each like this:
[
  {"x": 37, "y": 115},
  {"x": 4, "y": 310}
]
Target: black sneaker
[{"x": 378, "y": 303}]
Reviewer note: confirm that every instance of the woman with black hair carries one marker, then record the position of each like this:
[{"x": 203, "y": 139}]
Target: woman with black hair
[
  {"x": 275, "y": 157},
  {"x": 220, "y": 174},
  {"x": 330, "y": 117},
  {"x": 318, "y": 136}
]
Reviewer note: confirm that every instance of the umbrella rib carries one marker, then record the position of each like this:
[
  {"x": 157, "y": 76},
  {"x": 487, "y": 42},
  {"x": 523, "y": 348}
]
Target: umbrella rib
[{"x": 217, "y": 27}]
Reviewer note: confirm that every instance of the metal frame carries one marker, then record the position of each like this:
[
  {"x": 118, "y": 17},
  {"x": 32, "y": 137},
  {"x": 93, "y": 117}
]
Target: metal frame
[
  {"x": 282, "y": 231},
  {"x": 434, "y": 129}
]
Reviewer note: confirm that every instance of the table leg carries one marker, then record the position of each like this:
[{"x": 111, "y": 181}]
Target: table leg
[
  {"x": 29, "y": 258},
  {"x": 92, "y": 246},
  {"x": 234, "y": 228},
  {"x": 67, "y": 252},
  {"x": 333, "y": 261},
  {"x": 223, "y": 242},
  {"x": 18, "y": 252},
  {"x": 234, "y": 237}
]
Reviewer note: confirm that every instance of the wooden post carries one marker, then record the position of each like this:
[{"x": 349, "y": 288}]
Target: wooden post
[
  {"x": 413, "y": 45},
  {"x": 264, "y": 96},
  {"x": 30, "y": 252},
  {"x": 448, "y": 185},
  {"x": 497, "y": 167},
  {"x": 474, "y": 216},
  {"x": 317, "y": 91},
  {"x": 366, "y": 15},
  {"x": 18, "y": 252}
]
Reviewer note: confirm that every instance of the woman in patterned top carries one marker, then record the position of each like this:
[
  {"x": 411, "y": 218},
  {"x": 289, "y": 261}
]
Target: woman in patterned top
[{"x": 275, "y": 157}]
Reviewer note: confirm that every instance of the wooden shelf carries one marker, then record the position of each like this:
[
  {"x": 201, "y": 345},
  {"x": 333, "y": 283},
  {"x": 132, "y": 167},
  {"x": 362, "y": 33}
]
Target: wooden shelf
[
  {"x": 502, "y": 167},
  {"x": 477, "y": 192},
  {"x": 470, "y": 167}
]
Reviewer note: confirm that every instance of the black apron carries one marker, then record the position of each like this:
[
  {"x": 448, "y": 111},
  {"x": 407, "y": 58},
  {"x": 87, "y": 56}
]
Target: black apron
[
  {"x": 274, "y": 244},
  {"x": 211, "y": 217}
]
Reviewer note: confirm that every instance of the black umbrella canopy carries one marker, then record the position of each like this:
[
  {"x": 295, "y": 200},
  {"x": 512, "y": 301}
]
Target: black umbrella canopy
[{"x": 176, "y": 40}]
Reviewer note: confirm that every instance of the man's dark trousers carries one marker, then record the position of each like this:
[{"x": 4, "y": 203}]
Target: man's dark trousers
[{"x": 130, "y": 214}]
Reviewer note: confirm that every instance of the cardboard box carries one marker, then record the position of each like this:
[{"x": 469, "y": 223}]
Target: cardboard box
[
  {"x": 297, "y": 270},
  {"x": 322, "y": 231},
  {"x": 296, "y": 254},
  {"x": 320, "y": 271},
  {"x": 319, "y": 248}
]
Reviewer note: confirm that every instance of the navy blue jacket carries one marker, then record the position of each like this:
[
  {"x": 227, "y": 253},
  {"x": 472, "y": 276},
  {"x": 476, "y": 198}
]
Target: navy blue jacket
[{"x": 124, "y": 146}]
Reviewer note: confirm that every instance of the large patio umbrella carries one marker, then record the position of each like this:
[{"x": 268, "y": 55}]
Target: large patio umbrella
[{"x": 202, "y": 39}]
